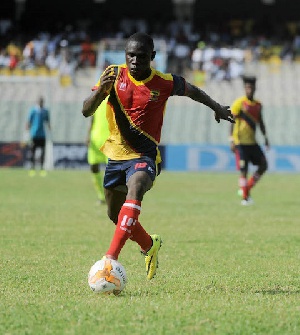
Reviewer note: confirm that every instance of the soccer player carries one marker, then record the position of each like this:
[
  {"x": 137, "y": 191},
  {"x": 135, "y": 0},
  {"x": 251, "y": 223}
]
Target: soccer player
[
  {"x": 135, "y": 109},
  {"x": 247, "y": 112},
  {"x": 38, "y": 118},
  {"x": 98, "y": 133}
]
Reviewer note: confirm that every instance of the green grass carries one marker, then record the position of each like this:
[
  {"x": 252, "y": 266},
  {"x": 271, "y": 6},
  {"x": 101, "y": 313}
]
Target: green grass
[{"x": 224, "y": 268}]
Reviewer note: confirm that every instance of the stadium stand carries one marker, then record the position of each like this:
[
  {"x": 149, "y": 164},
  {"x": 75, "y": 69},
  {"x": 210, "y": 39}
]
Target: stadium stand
[
  {"x": 185, "y": 121},
  {"x": 217, "y": 51}
]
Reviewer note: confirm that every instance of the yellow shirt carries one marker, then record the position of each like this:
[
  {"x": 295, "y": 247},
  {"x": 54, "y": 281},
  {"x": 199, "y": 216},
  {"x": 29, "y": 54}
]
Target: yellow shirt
[{"x": 247, "y": 115}]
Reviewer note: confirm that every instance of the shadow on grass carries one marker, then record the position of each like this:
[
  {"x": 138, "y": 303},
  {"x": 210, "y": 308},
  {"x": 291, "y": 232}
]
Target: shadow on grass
[{"x": 277, "y": 291}]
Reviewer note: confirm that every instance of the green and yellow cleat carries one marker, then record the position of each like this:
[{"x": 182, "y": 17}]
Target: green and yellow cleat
[
  {"x": 31, "y": 173},
  {"x": 43, "y": 173},
  {"x": 151, "y": 257}
]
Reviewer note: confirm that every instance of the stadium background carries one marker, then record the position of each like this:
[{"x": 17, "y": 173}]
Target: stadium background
[{"x": 58, "y": 51}]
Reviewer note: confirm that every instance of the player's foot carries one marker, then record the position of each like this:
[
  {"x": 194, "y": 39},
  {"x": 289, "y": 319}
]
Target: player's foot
[
  {"x": 43, "y": 173},
  {"x": 31, "y": 173},
  {"x": 151, "y": 257},
  {"x": 247, "y": 202}
]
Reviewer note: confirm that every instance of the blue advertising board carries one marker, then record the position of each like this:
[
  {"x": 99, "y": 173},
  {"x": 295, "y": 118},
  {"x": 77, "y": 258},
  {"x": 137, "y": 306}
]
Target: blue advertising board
[{"x": 220, "y": 158}]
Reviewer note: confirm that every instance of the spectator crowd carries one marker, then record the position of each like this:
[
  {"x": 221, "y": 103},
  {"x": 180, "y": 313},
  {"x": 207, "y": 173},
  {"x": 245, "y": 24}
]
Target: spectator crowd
[{"x": 214, "y": 52}]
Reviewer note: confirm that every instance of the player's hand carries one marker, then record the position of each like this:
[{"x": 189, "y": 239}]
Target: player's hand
[
  {"x": 107, "y": 79},
  {"x": 224, "y": 113},
  {"x": 267, "y": 143},
  {"x": 232, "y": 146}
]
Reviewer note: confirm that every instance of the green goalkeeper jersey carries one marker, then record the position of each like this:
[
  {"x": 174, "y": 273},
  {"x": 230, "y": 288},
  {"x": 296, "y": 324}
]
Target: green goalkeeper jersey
[{"x": 99, "y": 131}]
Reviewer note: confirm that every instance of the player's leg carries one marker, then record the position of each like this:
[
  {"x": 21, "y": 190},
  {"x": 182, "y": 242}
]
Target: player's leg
[
  {"x": 128, "y": 215},
  {"x": 242, "y": 164},
  {"x": 33, "y": 147},
  {"x": 42, "y": 145},
  {"x": 140, "y": 177},
  {"x": 115, "y": 199},
  {"x": 237, "y": 166},
  {"x": 128, "y": 225},
  {"x": 95, "y": 158},
  {"x": 97, "y": 178},
  {"x": 260, "y": 160},
  {"x": 149, "y": 244}
]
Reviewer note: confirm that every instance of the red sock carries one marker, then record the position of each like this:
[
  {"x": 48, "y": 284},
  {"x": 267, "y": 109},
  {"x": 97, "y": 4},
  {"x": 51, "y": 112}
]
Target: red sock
[
  {"x": 127, "y": 220},
  {"x": 253, "y": 180},
  {"x": 141, "y": 237},
  {"x": 244, "y": 187}
]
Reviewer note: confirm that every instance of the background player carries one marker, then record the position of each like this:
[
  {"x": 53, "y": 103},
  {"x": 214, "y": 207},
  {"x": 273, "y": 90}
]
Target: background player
[
  {"x": 38, "y": 118},
  {"x": 248, "y": 114},
  {"x": 135, "y": 109},
  {"x": 98, "y": 133}
]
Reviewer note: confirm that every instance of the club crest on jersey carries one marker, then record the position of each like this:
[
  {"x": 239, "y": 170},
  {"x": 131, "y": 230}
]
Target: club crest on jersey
[
  {"x": 154, "y": 95},
  {"x": 122, "y": 87}
]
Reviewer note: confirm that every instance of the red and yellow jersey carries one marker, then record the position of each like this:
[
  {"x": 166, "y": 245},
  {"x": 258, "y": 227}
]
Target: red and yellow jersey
[
  {"x": 247, "y": 115},
  {"x": 135, "y": 112}
]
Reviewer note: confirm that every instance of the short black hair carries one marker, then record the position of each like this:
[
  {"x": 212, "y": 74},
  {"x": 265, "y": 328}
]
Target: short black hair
[
  {"x": 249, "y": 80},
  {"x": 142, "y": 37}
]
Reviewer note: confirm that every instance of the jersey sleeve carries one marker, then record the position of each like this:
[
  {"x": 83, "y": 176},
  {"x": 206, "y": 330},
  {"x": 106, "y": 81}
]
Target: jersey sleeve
[
  {"x": 236, "y": 107},
  {"x": 178, "y": 85}
]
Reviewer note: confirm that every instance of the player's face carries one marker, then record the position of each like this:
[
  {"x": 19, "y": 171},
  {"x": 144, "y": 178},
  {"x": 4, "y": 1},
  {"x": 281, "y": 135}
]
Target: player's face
[
  {"x": 138, "y": 59},
  {"x": 249, "y": 90}
]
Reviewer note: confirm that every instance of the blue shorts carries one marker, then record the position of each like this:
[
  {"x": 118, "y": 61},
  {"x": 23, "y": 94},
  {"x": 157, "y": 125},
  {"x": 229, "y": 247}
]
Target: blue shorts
[{"x": 118, "y": 172}]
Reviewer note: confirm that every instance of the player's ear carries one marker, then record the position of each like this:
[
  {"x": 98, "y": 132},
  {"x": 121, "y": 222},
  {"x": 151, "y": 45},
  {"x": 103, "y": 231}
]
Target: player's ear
[{"x": 153, "y": 55}]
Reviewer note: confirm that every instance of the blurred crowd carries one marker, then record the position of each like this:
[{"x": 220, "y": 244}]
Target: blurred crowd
[
  {"x": 218, "y": 53},
  {"x": 61, "y": 53}
]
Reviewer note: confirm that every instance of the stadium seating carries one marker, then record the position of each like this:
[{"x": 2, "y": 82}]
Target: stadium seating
[{"x": 186, "y": 121}]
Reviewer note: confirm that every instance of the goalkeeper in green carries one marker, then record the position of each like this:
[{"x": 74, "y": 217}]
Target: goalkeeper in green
[{"x": 98, "y": 133}]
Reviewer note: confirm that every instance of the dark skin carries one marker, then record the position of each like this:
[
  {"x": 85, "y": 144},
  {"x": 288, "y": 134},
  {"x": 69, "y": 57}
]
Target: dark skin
[
  {"x": 250, "y": 89},
  {"x": 138, "y": 56}
]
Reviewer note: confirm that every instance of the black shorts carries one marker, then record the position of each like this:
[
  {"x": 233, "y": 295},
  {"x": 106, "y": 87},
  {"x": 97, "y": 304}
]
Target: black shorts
[
  {"x": 38, "y": 142},
  {"x": 246, "y": 154},
  {"x": 117, "y": 173}
]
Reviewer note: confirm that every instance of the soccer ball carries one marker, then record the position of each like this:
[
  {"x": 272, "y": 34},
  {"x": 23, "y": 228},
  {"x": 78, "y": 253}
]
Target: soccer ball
[{"x": 107, "y": 276}]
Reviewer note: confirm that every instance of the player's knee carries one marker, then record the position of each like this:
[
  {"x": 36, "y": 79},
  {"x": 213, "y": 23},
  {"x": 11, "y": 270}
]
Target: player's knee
[
  {"x": 263, "y": 166},
  {"x": 138, "y": 188}
]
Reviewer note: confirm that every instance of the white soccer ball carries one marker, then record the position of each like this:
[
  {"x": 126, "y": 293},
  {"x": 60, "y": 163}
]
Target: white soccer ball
[{"x": 107, "y": 276}]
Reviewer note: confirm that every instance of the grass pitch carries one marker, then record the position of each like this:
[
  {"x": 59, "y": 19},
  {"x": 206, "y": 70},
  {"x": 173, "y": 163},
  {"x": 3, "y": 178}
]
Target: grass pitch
[{"x": 224, "y": 268}]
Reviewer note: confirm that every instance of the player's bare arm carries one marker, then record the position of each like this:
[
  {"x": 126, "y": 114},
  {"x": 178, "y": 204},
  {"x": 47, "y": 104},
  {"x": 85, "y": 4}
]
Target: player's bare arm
[
  {"x": 231, "y": 141},
  {"x": 221, "y": 112},
  {"x": 263, "y": 131},
  {"x": 94, "y": 100}
]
